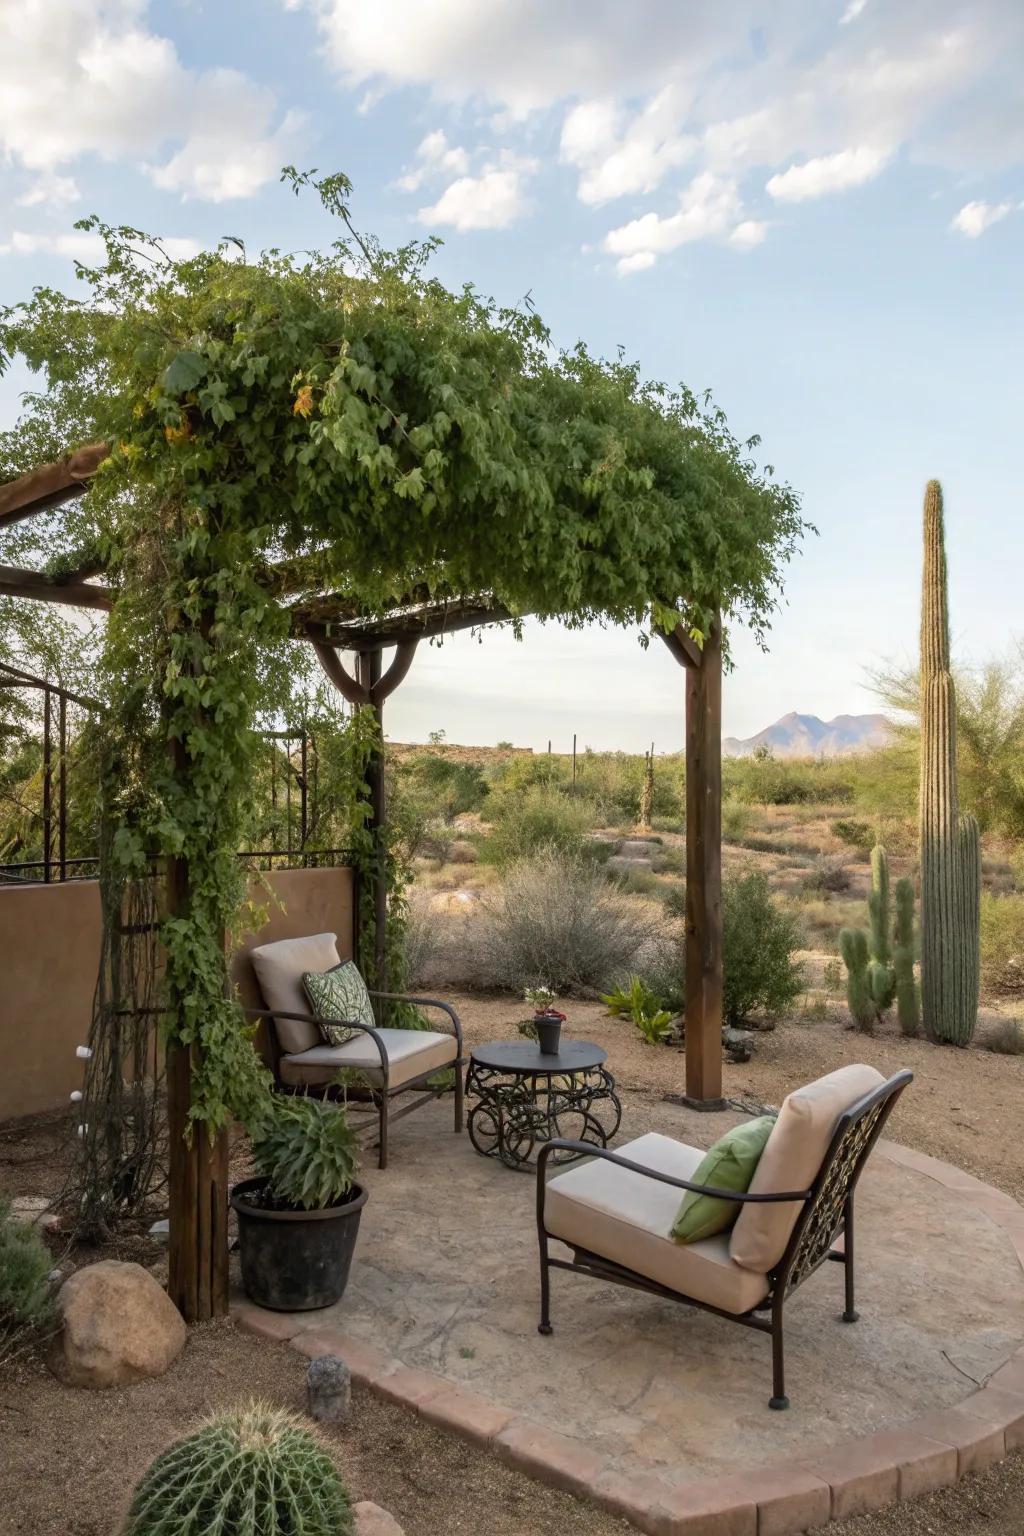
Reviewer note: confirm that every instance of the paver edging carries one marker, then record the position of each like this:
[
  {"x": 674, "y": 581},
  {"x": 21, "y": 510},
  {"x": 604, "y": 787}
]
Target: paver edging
[{"x": 785, "y": 1498}]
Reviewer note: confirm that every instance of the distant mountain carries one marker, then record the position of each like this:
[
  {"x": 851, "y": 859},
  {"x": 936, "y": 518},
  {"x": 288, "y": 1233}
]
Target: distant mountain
[{"x": 807, "y": 736}]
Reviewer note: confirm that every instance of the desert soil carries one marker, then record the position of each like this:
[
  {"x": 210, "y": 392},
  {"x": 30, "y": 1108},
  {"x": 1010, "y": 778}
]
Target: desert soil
[{"x": 71, "y": 1457}]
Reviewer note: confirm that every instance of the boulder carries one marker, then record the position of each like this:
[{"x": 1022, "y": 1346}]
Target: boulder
[
  {"x": 119, "y": 1326},
  {"x": 371, "y": 1520}
]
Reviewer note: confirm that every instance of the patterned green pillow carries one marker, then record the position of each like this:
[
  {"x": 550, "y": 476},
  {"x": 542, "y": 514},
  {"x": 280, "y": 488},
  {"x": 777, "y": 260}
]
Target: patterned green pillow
[{"x": 339, "y": 994}]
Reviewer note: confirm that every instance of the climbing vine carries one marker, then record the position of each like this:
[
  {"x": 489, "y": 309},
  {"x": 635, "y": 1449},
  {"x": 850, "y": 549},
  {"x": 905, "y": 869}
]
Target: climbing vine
[{"x": 339, "y": 421}]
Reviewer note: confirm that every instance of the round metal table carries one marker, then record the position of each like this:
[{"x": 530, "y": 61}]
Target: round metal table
[{"x": 519, "y": 1097}]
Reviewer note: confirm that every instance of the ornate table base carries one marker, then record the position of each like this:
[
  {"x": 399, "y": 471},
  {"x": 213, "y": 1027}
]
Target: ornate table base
[{"x": 512, "y": 1110}]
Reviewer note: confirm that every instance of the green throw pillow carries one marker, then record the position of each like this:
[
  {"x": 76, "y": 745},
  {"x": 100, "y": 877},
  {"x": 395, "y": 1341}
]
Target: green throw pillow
[
  {"x": 729, "y": 1164},
  {"x": 339, "y": 994}
]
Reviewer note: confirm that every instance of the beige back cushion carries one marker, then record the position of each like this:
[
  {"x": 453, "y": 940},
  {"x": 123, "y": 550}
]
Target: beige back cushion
[
  {"x": 791, "y": 1161},
  {"x": 279, "y": 968}
]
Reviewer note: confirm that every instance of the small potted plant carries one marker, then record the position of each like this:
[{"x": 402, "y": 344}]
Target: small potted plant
[
  {"x": 299, "y": 1218},
  {"x": 547, "y": 1020}
]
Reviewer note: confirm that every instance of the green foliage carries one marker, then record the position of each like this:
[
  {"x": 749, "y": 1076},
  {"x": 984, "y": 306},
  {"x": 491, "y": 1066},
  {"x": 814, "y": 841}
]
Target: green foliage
[
  {"x": 759, "y": 940},
  {"x": 950, "y": 848},
  {"x": 763, "y": 779},
  {"x": 856, "y": 834},
  {"x": 442, "y": 787},
  {"x": 736, "y": 819},
  {"x": 643, "y": 1006},
  {"x": 307, "y": 1150},
  {"x": 27, "y": 1308},
  {"x": 540, "y": 818},
  {"x": 1002, "y": 943},
  {"x": 249, "y": 1471}
]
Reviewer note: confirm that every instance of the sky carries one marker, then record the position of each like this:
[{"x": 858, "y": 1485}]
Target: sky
[{"x": 814, "y": 208}]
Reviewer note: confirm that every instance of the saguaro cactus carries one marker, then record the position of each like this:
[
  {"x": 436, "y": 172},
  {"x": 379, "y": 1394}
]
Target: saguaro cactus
[
  {"x": 950, "y": 850},
  {"x": 853, "y": 946},
  {"x": 881, "y": 978},
  {"x": 908, "y": 1008}
]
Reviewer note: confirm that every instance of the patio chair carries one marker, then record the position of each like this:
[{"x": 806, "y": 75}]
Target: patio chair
[
  {"x": 390, "y": 1061},
  {"x": 615, "y": 1211}
]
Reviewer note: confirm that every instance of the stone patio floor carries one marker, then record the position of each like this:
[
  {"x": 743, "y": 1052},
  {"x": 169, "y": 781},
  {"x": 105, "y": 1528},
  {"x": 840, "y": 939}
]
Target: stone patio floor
[{"x": 445, "y": 1280}]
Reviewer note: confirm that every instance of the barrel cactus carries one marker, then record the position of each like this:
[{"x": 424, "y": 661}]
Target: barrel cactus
[
  {"x": 254, "y": 1470},
  {"x": 950, "y": 849}
]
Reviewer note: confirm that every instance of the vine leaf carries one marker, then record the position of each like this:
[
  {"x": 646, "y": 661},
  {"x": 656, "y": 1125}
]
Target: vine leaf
[{"x": 183, "y": 373}]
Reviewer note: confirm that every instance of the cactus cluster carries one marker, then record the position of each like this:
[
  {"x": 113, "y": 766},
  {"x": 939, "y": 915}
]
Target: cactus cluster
[
  {"x": 251, "y": 1471},
  {"x": 880, "y": 962},
  {"x": 949, "y": 846}
]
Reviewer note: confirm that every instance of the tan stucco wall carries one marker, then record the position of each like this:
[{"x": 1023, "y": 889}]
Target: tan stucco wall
[{"x": 49, "y": 956}]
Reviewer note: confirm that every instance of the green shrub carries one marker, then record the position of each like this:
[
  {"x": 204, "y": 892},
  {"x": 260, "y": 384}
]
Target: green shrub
[
  {"x": 555, "y": 920},
  {"x": 828, "y": 873},
  {"x": 759, "y": 939},
  {"x": 541, "y": 817},
  {"x": 27, "y": 1307},
  {"x": 736, "y": 819},
  {"x": 441, "y": 788},
  {"x": 856, "y": 834},
  {"x": 766, "y": 780},
  {"x": 1002, "y": 943},
  {"x": 250, "y": 1471},
  {"x": 643, "y": 1006},
  {"x": 307, "y": 1150}
]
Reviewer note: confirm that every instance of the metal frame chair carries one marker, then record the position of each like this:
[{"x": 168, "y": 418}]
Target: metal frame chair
[
  {"x": 380, "y": 1097},
  {"x": 826, "y": 1211}
]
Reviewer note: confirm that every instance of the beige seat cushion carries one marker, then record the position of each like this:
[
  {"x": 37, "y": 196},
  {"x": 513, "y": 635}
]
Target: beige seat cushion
[
  {"x": 624, "y": 1217},
  {"x": 409, "y": 1052},
  {"x": 279, "y": 969},
  {"x": 791, "y": 1160}
]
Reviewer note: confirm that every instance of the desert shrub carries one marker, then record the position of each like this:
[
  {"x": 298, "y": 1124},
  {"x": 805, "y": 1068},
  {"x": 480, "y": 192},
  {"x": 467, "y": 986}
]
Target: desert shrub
[
  {"x": 1006, "y": 1038},
  {"x": 436, "y": 841},
  {"x": 832, "y": 975},
  {"x": 855, "y": 834},
  {"x": 736, "y": 819},
  {"x": 557, "y": 920},
  {"x": 419, "y": 941},
  {"x": 828, "y": 873},
  {"x": 251, "y": 1471},
  {"x": 1002, "y": 943},
  {"x": 759, "y": 939},
  {"x": 441, "y": 788},
  {"x": 766, "y": 780},
  {"x": 27, "y": 1307},
  {"x": 540, "y": 818}
]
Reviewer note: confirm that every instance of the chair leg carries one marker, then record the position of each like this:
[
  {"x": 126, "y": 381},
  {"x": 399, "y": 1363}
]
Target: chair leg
[
  {"x": 851, "y": 1314},
  {"x": 382, "y": 1160},
  {"x": 460, "y": 1089},
  {"x": 778, "y": 1398},
  {"x": 544, "y": 1325}
]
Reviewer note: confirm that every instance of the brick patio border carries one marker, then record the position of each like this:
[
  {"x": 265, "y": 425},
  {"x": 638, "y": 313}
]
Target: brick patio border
[{"x": 782, "y": 1499}]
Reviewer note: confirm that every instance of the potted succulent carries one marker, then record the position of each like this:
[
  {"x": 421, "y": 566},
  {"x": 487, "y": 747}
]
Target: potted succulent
[
  {"x": 299, "y": 1218},
  {"x": 547, "y": 1021}
]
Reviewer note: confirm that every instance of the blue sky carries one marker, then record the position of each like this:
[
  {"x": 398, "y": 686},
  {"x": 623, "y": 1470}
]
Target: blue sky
[{"x": 813, "y": 207}]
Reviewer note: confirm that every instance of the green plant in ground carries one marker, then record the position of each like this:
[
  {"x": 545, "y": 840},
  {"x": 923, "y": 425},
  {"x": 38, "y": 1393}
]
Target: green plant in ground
[
  {"x": 908, "y": 1003},
  {"x": 542, "y": 817},
  {"x": 735, "y": 821},
  {"x": 758, "y": 943},
  {"x": 856, "y": 834},
  {"x": 1006, "y": 1038},
  {"x": 249, "y": 1471},
  {"x": 853, "y": 946},
  {"x": 27, "y": 1308},
  {"x": 307, "y": 1151},
  {"x": 950, "y": 850},
  {"x": 832, "y": 975},
  {"x": 639, "y": 1003}
]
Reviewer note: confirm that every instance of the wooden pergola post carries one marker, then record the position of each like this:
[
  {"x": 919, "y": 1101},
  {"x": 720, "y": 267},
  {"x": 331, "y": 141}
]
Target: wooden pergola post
[
  {"x": 368, "y": 672},
  {"x": 703, "y": 666}
]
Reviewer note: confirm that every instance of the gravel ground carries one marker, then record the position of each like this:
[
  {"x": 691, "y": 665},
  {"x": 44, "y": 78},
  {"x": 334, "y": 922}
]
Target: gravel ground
[{"x": 70, "y": 1458}]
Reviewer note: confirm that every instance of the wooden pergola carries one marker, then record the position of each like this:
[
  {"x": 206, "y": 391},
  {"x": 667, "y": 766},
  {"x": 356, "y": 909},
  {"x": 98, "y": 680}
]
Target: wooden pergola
[{"x": 330, "y": 623}]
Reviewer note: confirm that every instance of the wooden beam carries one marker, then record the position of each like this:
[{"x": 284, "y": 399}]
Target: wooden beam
[
  {"x": 704, "y": 876},
  {"x": 370, "y": 677},
  {"x": 685, "y": 650},
  {"x": 43, "y": 588},
  {"x": 397, "y": 629},
  {"x": 346, "y": 684},
  {"x": 396, "y": 673},
  {"x": 50, "y": 485}
]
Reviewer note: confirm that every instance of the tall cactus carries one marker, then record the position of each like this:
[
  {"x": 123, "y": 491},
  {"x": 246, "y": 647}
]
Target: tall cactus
[
  {"x": 908, "y": 1007},
  {"x": 950, "y": 850},
  {"x": 882, "y": 980}
]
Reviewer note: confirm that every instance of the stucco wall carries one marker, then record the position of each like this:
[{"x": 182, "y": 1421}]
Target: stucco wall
[{"x": 49, "y": 955}]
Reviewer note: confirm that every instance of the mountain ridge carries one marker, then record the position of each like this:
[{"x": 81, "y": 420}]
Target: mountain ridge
[{"x": 797, "y": 735}]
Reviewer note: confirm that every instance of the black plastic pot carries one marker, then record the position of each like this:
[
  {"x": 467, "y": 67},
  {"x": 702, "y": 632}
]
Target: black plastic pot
[
  {"x": 549, "y": 1033},
  {"x": 295, "y": 1261}
]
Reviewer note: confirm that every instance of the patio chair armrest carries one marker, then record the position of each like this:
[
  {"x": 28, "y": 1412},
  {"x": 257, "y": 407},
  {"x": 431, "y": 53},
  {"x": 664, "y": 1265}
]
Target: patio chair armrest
[
  {"x": 587, "y": 1149},
  {"x": 311, "y": 1018},
  {"x": 426, "y": 1002}
]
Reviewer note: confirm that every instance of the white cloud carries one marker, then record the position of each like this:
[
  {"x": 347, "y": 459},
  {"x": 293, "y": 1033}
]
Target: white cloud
[
  {"x": 638, "y": 262},
  {"x": 50, "y": 190},
  {"x": 492, "y": 200},
  {"x": 82, "y": 245},
  {"x": 618, "y": 155},
  {"x": 747, "y": 234},
  {"x": 88, "y": 77},
  {"x": 853, "y": 10},
  {"x": 708, "y": 208},
  {"x": 827, "y": 173},
  {"x": 974, "y": 218},
  {"x": 434, "y": 157}
]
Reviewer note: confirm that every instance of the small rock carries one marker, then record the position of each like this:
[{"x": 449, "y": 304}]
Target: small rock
[
  {"x": 28, "y": 1208},
  {"x": 119, "y": 1326},
  {"x": 371, "y": 1520},
  {"x": 329, "y": 1390},
  {"x": 628, "y": 864},
  {"x": 736, "y": 1045},
  {"x": 675, "y": 1030}
]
